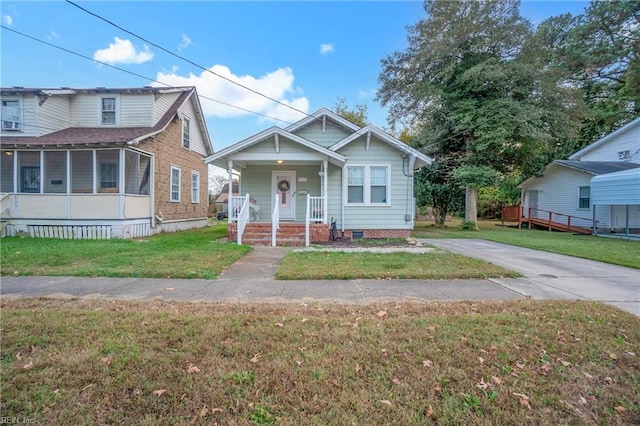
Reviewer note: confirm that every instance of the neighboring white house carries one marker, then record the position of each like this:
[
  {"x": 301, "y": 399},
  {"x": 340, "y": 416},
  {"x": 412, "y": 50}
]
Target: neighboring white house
[
  {"x": 600, "y": 182},
  {"x": 103, "y": 162},
  {"x": 320, "y": 168}
]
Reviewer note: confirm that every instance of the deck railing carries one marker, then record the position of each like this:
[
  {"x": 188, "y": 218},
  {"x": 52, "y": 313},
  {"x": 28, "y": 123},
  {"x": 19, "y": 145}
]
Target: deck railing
[
  {"x": 241, "y": 213},
  {"x": 559, "y": 221},
  {"x": 315, "y": 213},
  {"x": 275, "y": 220}
]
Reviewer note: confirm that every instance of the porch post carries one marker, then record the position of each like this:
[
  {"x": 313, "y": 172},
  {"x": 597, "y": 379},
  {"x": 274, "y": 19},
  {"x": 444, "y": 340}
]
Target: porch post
[
  {"x": 230, "y": 185},
  {"x": 325, "y": 181}
]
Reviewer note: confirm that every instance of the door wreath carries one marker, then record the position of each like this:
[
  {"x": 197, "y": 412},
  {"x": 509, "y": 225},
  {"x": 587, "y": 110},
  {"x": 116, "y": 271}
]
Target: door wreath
[{"x": 283, "y": 186}]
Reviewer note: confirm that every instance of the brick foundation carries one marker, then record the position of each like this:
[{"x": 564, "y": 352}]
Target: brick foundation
[{"x": 377, "y": 233}]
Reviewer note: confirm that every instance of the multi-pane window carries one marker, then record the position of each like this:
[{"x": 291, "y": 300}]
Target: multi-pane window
[
  {"x": 174, "y": 184},
  {"x": 368, "y": 184},
  {"x": 195, "y": 187},
  {"x": 584, "y": 194},
  {"x": 355, "y": 185},
  {"x": 10, "y": 114},
  {"x": 108, "y": 171},
  {"x": 185, "y": 132},
  {"x": 108, "y": 111}
]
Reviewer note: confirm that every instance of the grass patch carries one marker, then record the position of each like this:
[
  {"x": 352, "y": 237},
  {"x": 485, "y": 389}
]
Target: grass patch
[
  {"x": 336, "y": 265},
  {"x": 187, "y": 254},
  {"x": 610, "y": 250},
  {"x": 524, "y": 362}
]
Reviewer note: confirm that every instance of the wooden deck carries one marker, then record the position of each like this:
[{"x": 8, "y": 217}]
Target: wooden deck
[{"x": 553, "y": 221}]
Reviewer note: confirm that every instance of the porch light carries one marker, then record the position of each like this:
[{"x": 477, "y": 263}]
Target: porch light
[
  {"x": 9, "y": 152},
  {"x": 279, "y": 161}
]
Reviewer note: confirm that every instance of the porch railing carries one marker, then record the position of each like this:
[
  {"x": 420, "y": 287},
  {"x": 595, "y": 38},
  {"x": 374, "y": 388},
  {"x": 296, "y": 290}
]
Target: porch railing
[
  {"x": 315, "y": 213},
  {"x": 275, "y": 220},
  {"x": 242, "y": 216},
  {"x": 560, "y": 221},
  {"x": 235, "y": 204}
]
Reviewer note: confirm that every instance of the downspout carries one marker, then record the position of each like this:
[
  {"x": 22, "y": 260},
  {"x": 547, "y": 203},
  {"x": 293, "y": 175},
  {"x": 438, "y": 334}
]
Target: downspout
[
  {"x": 230, "y": 189},
  {"x": 152, "y": 191},
  {"x": 325, "y": 180}
]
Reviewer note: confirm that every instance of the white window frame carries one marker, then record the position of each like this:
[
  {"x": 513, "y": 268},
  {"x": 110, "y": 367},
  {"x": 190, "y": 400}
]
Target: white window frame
[
  {"x": 624, "y": 155},
  {"x": 367, "y": 185},
  {"x": 116, "y": 112},
  {"x": 186, "y": 120},
  {"x": 195, "y": 187},
  {"x": 16, "y": 118},
  {"x": 172, "y": 184},
  {"x": 579, "y": 198}
]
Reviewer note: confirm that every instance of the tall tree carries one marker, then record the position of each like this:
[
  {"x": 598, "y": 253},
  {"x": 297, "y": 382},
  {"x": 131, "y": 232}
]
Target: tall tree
[
  {"x": 356, "y": 115},
  {"x": 467, "y": 82}
]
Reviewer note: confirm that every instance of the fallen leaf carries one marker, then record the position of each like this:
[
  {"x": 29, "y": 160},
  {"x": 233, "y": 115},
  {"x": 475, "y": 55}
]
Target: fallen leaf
[
  {"x": 203, "y": 411},
  {"x": 159, "y": 392},
  {"x": 565, "y": 363},
  {"x": 520, "y": 365},
  {"x": 279, "y": 324},
  {"x": 620, "y": 409},
  {"x": 256, "y": 358},
  {"x": 431, "y": 328},
  {"x": 608, "y": 380},
  {"x": 217, "y": 410},
  {"x": 613, "y": 356},
  {"x": 19, "y": 356},
  {"x": 299, "y": 363},
  {"x": 496, "y": 380},
  {"x": 524, "y": 400},
  {"x": 28, "y": 366},
  {"x": 482, "y": 385},
  {"x": 395, "y": 380},
  {"x": 169, "y": 289},
  {"x": 382, "y": 314},
  {"x": 630, "y": 353},
  {"x": 545, "y": 369},
  {"x": 107, "y": 360},
  {"x": 429, "y": 412},
  {"x": 587, "y": 375},
  {"x": 427, "y": 363},
  {"x": 304, "y": 320},
  {"x": 358, "y": 368},
  {"x": 583, "y": 400},
  {"x": 481, "y": 360},
  {"x": 386, "y": 401},
  {"x": 192, "y": 369}
]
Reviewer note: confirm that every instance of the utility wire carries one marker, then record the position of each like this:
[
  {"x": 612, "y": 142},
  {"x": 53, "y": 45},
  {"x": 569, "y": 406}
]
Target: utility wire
[
  {"x": 185, "y": 59},
  {"x": 136, "y": 74}
]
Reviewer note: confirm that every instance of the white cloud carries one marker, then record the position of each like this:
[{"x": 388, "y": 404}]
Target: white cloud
[
  {"x": 7, "y": 20},
  {"x": 122, "y": 52},
  {"x": 277, "y": 85},
  {"x": 186, "y": 42},
  {"x": 326, "y": 48}
]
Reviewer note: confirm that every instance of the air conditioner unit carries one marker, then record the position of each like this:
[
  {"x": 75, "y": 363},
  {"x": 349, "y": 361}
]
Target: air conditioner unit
[{"x": 10, "y": 125}]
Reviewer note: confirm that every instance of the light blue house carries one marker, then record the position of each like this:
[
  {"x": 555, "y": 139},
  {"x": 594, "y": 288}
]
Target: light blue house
[{"x": 294, "y": 181}]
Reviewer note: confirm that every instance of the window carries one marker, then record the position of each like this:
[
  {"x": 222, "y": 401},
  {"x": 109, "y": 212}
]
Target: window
[
  {"x": 108, "y": 110},
  {"x": 107, "y": 162},
  {"x": 195, "y": 187},
  {"x": 624, "y": 155},
  {"x": 368, "y": 185},
  {"x": 175, "y": 185},
  {"x": 355, "y": 184},
  {"x": 136, "y": 173},
  {"x": 584, "y": 193},
  {"x": 29, "y": 167},
  {"x": 185, "y": 132},
  {"x": 10, "y": 114}
]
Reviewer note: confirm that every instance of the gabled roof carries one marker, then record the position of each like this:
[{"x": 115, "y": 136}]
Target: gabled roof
[
  {"x": 597, "y": 167},
  {"x": 420, "y": 158},
  {"x": 334, "y": 157},
  {"x": 322, "y": 113},
  {"x": 605, "y": 139},
  {"x": 92, "y": 136}
]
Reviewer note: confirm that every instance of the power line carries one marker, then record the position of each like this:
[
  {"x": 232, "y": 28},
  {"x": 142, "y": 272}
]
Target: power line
[
  {"x": 136, "y": 74},
  {"x": 185, "y": 59}
]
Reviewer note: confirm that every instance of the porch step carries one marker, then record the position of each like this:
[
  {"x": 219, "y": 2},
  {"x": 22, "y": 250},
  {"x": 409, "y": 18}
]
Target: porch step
[{"x": 288, "y": 234}]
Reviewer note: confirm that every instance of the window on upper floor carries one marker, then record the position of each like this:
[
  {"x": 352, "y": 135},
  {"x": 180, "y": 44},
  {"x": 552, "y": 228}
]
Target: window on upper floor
[
  {"x": 367, "y": 185},
  {"x": 108, "y": 112},
  {"x": 174, "y": 184},
  {"x": 624, "y": 155},
  {"x": 186, "y": 129},
  {"x": 11, "y": 114},
  {"x": 584, "y": 197}
]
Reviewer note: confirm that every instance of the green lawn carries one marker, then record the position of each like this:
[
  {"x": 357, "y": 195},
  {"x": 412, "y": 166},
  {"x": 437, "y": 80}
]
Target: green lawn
[
  {"x": 155, "y": 363},
  {"x": 610, "y": 250},
  {"x": 187, "y": 254}
]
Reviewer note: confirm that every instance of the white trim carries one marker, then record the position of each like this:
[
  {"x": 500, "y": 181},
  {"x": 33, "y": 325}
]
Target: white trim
[
  {"x": 292, "y": 192},
  {"x": 366, "y": 196},
  {"x": 578, "y": 200},
  {"x": 171, "y": 183},
  {"x": 16, "y": 126},
  {"x": 116, "y": 97},
  {"x": 322, "y": 113},
  {"x": 197, "y": 199},
  {"x": 185, "y": 119}
]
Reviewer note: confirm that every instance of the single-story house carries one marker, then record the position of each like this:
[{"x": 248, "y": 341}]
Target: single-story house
[
  {"x": 102, "y": 162},
  {"x": 295, "y": 181}
]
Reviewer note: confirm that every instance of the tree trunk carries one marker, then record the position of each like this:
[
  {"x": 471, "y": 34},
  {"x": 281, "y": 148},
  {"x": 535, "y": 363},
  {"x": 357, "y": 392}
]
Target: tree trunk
[{"x": 471, "y": 207}]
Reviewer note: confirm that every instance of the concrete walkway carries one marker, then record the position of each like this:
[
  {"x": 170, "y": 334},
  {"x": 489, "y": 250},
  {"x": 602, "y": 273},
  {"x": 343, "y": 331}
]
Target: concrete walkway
[{"x": 251, "y": 279}]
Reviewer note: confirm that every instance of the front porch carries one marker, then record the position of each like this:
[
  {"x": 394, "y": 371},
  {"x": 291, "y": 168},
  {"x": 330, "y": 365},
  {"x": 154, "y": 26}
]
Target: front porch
[{"x": 288, "y": 234}]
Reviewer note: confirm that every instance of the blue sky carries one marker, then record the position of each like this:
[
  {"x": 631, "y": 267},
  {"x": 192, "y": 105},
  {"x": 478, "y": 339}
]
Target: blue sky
[{"x": 304, "y": 54}]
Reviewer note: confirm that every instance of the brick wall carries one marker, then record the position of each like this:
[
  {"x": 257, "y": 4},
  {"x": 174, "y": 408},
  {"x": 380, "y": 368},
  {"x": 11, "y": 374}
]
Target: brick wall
[{"x": 168, "y": 151}]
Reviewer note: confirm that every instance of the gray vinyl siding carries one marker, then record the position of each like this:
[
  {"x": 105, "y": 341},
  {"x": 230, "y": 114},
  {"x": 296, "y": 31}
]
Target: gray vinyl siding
[
  {"x": 332, "y": 134},
  {"x": 162, "y": 105},
  {"x": 268, "y": 147},
  {"x": 390, "y": 216},
  {"x": 54, "y": 114},
  {"x": 558, "y": 192},
  {"x": 84, "y": 110},
  {"x": 136, "y": 110},
  {"x": 196, "y": 141},
  {"x": 626, "y": 141}
]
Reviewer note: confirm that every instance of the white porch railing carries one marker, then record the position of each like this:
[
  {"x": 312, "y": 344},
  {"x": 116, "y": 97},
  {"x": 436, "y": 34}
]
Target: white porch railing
[
  {"x": 315, "y": 213},
  {"x": 235, "y": 205},
  {"x": 275, "y": 220},
  {"x": 241, "y": 213}
]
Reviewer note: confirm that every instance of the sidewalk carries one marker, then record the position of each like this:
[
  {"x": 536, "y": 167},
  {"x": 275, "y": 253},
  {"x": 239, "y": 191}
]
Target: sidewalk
[{"x": 251, "y": 279}]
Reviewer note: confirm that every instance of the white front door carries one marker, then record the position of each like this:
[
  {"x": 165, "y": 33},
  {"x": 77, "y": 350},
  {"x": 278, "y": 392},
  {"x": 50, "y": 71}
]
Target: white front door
[{"x": 284, "y": 184}]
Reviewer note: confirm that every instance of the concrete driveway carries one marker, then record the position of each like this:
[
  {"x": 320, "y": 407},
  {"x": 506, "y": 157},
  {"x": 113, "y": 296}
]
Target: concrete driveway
[{"x": 554, "y": 276}]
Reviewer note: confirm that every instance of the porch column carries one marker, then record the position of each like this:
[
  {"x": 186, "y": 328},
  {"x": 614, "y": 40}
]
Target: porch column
[
  {"x": 325, "y": 181},
  {"x": 230, "y": 185}
]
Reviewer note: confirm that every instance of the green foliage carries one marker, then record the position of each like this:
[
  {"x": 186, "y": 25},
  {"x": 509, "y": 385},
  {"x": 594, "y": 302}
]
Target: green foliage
[
  {"x": 436, "y": 186},
  {"x": 357, "y": 115}
]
